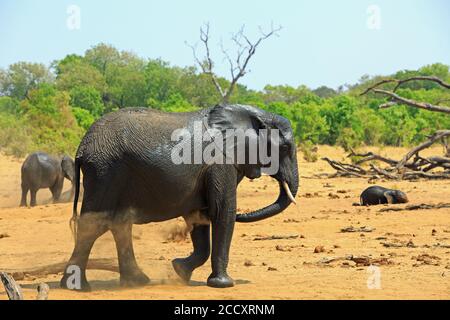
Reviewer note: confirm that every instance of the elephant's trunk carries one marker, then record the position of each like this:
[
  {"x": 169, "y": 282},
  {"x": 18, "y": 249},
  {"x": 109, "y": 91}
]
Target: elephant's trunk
[{"x": 283, "y": 201}]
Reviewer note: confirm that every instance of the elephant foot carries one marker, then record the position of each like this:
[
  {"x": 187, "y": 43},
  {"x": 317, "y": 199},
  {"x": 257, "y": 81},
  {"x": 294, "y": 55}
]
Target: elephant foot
[
  {"x": 135, "y": 279},
  {"x": 220, "y": 281},
  {"x": 183, "y": 270},
  {"x": 67, "y": 282}
]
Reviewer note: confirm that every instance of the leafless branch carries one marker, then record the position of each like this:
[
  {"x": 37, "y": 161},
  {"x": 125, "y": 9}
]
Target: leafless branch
[
  {"x": 397, "y": 99},
  {"x": 400, "y": 82},
  {"x": 435, "y": 137},
  {"x": 238, "y": 66},
  {"x": 409, "y": 102},
  {"x": 207, "y": 64}
]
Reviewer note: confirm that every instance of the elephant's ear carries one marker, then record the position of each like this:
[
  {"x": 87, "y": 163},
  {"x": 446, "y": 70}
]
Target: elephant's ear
[
  {"x": 225, "y": 117},
  {"x": 389, "y": 197},
  {"x": 242, "y": 120},
  {"x": 68, "y": 167}
]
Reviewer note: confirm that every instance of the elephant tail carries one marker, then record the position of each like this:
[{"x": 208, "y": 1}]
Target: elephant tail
[{"x": 74, "y": 220}]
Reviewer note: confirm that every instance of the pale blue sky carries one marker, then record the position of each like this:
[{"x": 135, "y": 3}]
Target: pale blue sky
[{"x": 322, "y": 42}]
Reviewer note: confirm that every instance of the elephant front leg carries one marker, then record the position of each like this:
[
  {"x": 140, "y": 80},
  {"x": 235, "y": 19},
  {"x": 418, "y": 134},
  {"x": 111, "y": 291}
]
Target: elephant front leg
[
  {"x": 201, "y": 242},
  {"x": 222, "y": 233},
  {"x": 130, "y": 274},
  {"x": 222, "y": 212}
]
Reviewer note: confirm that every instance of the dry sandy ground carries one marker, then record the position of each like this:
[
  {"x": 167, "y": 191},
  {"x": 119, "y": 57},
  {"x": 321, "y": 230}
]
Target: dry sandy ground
[{"x": 263, "y": 269}]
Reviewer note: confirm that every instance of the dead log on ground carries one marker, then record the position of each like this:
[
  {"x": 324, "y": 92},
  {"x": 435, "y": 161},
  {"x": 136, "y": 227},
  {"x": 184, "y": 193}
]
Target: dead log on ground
[
  {"x": 13, "y": 290},
  {"x": 56, "y": 268},
  {"x": 404, "y": 169},
  {"x": 422, "y": 206}
]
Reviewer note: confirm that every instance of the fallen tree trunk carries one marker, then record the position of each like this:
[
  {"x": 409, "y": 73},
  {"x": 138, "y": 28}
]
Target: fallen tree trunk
[
  {"x": 403, "y": 169},
  {"x": 435, "y": 137},
  {"x": 55, "y": 268}
]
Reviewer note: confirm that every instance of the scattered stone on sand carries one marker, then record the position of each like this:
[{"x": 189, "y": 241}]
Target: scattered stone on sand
[
  {"x": 290, "y": 221},
  {"x": 437, "y": 245},
  {"x": 272, "y": 269},
  {"x": 283, "y": 248},
  {"x": 358, "y": 261},
  {"x": 357, "y": 229},
  {"x": 426, "y": 259},
  {"x": 328, "y": 185},
  {"x": 433, "y": 232},
  {"x": 248, "y": 263},
  {"x": 342, "y": 191},
  {"x": 319, "y": 249},
  {"x": 395, "y": 243},
  {"x": 18, "y": 276},
  {"x": 4, "y": 235},
  {"x": 332, "y": 195}
]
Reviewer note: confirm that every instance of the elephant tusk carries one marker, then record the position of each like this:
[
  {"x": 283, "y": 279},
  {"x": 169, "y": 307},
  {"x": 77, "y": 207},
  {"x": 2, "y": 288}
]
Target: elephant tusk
[{"x": 288, "y": 191}]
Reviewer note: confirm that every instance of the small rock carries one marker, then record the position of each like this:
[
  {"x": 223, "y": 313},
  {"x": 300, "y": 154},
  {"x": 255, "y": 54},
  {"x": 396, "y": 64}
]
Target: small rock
[
  {"x": 433, "y": 232},
  {"x": 18, "y": 276},
  {"x": 4, "y": 235},
  {"x": 248, "y": 263},
  {"x": 319, "y": 249},
  {"x": 283, "y": 248},
  {"x": 272, "y": 269}
]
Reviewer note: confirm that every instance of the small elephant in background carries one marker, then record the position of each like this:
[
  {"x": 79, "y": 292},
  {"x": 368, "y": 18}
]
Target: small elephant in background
[
  {"x": 41, "y": 170},
  {"x": 379, "y": 195}
]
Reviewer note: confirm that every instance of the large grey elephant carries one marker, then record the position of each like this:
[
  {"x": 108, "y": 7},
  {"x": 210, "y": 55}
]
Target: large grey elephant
[
  {"x": 129, "y": 177},
  {"x": 40, "y": 170}
]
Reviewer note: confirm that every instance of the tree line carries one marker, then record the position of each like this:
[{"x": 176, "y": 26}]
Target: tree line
[{"x": 49, "y": 108}]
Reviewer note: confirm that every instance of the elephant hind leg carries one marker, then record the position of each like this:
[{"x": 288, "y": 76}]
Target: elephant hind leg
[
  {"x": 23, "y": 200},
  {"x": 130, "y": 274},
  {"x": 184, "y": 267},
  {"x": 90, "y": 227},
  {"x": 33, "y": 197},
  {"x": 56, "y": 190}
]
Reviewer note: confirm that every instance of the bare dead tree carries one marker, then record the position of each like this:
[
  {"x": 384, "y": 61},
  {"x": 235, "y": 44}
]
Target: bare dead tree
[
  {"x": 396, "y": 99},
  {"x": 238, "y": 65}
]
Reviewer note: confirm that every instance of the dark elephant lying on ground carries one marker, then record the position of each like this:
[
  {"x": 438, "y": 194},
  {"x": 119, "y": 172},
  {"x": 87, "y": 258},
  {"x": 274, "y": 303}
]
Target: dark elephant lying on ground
[
  {"x": 379, "y": 195},
  {"x": 129, "y": 177},
  {"x": 40, "y": 170}
]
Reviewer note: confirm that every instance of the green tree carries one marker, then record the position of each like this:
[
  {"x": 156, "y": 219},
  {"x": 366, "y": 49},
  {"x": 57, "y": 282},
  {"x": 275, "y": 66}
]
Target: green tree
[
  {"x": 88, "y": 98},
  {"x": 21, "y": 77}
]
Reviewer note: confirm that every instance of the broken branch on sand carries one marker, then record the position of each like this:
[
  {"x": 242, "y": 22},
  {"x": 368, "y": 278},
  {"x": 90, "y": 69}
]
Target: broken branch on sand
[
  {"x": 55, "y": 268},
  {"x": 404, "y": 169},
  {"x": 422, "y": 206}
]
